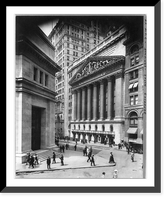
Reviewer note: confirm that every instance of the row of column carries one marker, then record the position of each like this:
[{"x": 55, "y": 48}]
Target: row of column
[{"x": 83, "y": 102}]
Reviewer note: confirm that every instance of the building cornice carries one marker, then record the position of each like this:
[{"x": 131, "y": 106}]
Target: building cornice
[
  {"x": 24, "y": 45},
  {"x": 117, "y": 35},
  {"x": 114, "y": 64},
  {"x": 25, "y": 85}
]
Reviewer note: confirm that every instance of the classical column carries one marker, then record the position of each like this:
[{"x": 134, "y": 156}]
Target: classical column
[
  {"x": 119, "y": 96},
  {"x": 74, "y": 105},
  {"x": 102, "y": 99},
  {"x": 89, "y": 102},
  {"x": 95, "y": 102},
  {"x": 83, "y": 103},
  {"x": 79, "y": 105},
  {"x": 109, "y": 100}
]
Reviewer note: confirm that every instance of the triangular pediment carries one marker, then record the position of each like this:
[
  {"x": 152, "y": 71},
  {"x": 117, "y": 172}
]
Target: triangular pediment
[{"x": 93, "y": 65}]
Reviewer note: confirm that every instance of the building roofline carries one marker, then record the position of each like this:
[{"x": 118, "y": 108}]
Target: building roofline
[{"x": 103, "y": 44}]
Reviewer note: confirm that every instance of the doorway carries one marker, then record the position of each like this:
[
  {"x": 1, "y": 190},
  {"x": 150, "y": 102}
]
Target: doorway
[{"x": 36, "y": 128}]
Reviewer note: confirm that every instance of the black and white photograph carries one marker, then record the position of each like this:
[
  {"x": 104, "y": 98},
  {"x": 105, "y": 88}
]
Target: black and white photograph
[
  {"x": 80, "y": 96},
  {"x": 83, "y": 99}
]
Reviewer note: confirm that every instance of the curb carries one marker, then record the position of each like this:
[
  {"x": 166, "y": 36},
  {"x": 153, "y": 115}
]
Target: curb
[{"x": 67, "y": 168}]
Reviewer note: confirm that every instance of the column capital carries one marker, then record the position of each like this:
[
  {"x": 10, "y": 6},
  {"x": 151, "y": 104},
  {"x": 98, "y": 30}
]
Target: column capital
[
  {"x": 109, "y": 78},
  {"x": 119, "y": 75},
  {"x": 74, "y": 91},
  {"x": 95, "y": 83},
  {"x": 101, "y": 81},
  {"x": 78, "y": 90}
]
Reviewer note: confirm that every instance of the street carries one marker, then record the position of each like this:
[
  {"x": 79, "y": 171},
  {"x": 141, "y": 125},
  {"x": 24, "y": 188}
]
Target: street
[{"x": 76, "y": 166}]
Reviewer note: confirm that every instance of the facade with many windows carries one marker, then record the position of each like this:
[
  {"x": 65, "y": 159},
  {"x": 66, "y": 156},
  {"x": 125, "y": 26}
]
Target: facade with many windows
[
  {"x": 108, "y": 89},
  {"x": 72, "y": 39}
]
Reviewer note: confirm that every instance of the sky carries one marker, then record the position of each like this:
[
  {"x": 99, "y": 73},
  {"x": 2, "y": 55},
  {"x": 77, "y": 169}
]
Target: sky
[{"x": 48, "y": 26}]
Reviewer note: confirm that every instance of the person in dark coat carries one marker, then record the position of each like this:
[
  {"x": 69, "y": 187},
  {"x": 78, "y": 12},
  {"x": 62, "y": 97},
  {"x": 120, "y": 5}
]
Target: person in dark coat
[
  {"x": 111, "y": 159},
  {"x": 66, "y": 146},
  {"x": 32, "y": 161},
  {"x": 63, "y": 148},
  {"x": 48, "y": 162},
  {"x": 36, "y": 159},
  {"x": 27, "y": 158},
  {"x": 54, "y": 158},
  {"x": 92, "y": 161},
  {"x": 75, "y": 147},
  {"x": 62, "y": 159},
  {"x": 89, "y": 156}
]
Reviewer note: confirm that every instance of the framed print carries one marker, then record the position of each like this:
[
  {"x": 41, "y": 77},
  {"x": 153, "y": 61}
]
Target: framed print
[{"x": 86, "y": 98}]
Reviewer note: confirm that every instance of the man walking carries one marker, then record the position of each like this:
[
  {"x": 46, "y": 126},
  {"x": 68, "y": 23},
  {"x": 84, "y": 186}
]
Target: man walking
[
  {"x": 54, "y": 158},
  {"x": 132, "y": 156},
  {"x": 92, "y": 161},
  {"x": 62, "y": 159},
  {"x": 48, "y": 162},
  {"x": 89, "y": 156}
]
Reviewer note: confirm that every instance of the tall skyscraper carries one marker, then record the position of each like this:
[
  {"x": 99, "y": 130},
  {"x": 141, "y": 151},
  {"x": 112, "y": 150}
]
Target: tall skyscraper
[{"x": 72, "y": 39}]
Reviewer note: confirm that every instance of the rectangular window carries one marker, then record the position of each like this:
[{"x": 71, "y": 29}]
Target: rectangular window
[
  {"x": 132, "y": 62},
  {"x": 46, "y": 80},
  {"x": 137, "y": 59},
  {"x": 131, "y": 100},
  {"x": 136, "y": 99},
  {"x": 35, "y": 74},
  {"x": 41, "y": 77}
]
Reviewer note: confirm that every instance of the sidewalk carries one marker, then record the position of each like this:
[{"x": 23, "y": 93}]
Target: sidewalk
[{"x": 72, "y": 160}]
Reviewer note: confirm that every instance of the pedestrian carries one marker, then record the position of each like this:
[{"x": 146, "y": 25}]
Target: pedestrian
[
  {"x": 54, "y": 158},
  {"x": 115, "y": 174},
  {"x": 63, "y": 148},
  {"x": 75, "y": 147},
  {"x": 92, "y": 161},
  {"x": 62, "y": 159},
  {"x": 60, "y": 148},
  {"x": 32, "y": 161},
  {"x": 111, "y": 159},
  {"x": 84, "y": 151},
  {"x": 103, "y": 174},
  {"x": 132, "y": 156},
  {"x": 66, "y": 146},
  {"x": 27, "y": 158},
  {"x": 89, "y": 156},
  {"x": 128, "y": 149},
  {"x": 48, "y": 162},
  {"x": 36, "y": 159}
]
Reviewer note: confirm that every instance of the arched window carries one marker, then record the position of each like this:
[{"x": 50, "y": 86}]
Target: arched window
[
  {"x": 111, "y": 128},
  {"x": 134, "y": 49},
  {"x": 134, "y": 53},
  {"x": 133, "y": 119},
  {"x": 103, "y": 128}
]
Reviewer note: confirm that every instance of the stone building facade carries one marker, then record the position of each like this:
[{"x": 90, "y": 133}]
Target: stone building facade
[
  {"x": 35, "y": 89},
  {"x": 107, "y": 88},
  {"x": 72, "y": 38}
]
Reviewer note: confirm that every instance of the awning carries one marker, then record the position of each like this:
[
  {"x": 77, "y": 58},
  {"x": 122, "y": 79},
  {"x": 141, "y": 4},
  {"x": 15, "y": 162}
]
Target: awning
[
  {"x": 135, "y": 85},
  {"x": 141, "y": 132},
  {"x": 132, "y": 131},
  {"x": 136, "y": 141},
  {"x": 130, "y": 86}
]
